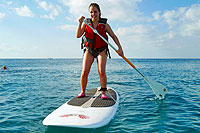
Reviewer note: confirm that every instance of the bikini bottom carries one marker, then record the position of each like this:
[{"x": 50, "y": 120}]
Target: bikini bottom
[{"x": 96, "y": 52}]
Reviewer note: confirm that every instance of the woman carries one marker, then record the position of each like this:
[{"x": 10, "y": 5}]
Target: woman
[{"x": 95, "y": 47}]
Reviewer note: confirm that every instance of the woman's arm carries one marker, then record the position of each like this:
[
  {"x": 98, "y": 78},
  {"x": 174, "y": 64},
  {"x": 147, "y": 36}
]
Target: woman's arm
[
  {"x": 115, "y": 39},
  {"x": 81, "y": 27}
]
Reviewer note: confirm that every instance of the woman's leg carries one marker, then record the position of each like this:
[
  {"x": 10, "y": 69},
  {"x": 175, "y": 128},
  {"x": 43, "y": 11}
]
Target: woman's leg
[
  {"x": 101, "y": 61},
  {"x": 88, "y": 59}
]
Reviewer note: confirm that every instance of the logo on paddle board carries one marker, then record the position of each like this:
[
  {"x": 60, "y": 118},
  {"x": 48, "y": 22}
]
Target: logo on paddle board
[{"x": 76, "y": 115}]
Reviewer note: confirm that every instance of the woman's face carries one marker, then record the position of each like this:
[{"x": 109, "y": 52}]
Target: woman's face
[{"x": 94, "y": 13}]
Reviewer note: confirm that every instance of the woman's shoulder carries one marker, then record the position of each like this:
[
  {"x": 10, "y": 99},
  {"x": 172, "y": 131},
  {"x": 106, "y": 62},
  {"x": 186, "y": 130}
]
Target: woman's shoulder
[{"x": 103, "y": 20}]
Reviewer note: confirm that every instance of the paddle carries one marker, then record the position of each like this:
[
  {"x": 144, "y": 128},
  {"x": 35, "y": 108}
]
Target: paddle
[{"x": 158, "y": 89}]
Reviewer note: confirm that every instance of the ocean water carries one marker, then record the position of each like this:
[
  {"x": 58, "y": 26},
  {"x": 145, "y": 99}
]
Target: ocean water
[{"x": 30, "y": 89}]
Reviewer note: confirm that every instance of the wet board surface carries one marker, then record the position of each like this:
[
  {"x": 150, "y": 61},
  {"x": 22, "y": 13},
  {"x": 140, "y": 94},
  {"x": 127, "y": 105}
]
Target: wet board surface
[{"x": 88, "y": 112}]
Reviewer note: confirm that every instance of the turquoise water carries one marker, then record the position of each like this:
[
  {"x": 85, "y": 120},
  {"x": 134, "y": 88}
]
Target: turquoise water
[{"x": 30, "y": 89}]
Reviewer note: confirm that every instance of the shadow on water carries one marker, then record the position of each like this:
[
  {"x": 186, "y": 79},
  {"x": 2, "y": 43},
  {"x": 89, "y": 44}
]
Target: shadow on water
[{"x": 55, "y": 129}]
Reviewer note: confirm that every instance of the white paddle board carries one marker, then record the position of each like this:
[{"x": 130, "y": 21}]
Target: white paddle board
[{"x": 88, "y": 112}]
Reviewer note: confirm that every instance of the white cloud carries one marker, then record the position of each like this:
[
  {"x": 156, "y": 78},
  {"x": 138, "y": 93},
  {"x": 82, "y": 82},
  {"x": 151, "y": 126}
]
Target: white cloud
[
  {"x": 170, "y": 17},
  {"x": 190, "y": 25},
  {"x": 77, "y": 8},
  {"x": 71, "y": 18},
  {"x": 175, "y": 35},
  {"x": 68, "y": 27},
  {"x": 156, "y": 15},
  {"x": 9, "y": 2},
  {"x": 185, "y": 21},
  {"x": 137, "y": 36},
  {"x": 135, "y": 29},
  {"x": 52, "y": 10},
  {"x": 45, "y": 6},
  {"x": 193, "y": 13},
  {"x": 173, "y": 17},
  {"x": 179, "y": 39},
  {"x": 24, "y": 11},
  {"x": 2, "y": 15}
]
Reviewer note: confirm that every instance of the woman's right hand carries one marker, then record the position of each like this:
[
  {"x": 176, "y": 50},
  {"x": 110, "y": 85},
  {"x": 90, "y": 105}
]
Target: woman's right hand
[{"x": 81, "y": 19}]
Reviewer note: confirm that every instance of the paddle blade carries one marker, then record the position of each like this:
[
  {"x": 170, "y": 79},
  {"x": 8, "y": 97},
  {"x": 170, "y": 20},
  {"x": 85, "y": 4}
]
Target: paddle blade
[{"x": 158, "y": 89}]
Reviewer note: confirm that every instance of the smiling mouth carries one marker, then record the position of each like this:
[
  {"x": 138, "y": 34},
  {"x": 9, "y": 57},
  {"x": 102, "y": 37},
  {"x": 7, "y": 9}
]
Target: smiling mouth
[{"x": 94, "y": 17}]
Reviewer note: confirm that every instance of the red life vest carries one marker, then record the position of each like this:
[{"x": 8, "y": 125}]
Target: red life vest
[{"x": 92, "y": 40}]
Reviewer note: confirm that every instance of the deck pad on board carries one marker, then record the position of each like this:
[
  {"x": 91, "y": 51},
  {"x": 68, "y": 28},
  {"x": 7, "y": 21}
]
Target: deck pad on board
[{"x": 95, "y": 96}]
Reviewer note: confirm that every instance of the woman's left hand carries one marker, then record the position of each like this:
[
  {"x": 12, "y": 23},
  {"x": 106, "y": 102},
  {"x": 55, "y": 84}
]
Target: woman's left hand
[{"x": 120, "y": 52}]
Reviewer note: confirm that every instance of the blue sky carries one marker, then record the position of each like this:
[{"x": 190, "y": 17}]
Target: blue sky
[{"x": 145, "y": 28}]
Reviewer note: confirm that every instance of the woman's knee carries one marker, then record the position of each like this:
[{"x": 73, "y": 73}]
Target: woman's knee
[
  {"x": 84, "y": 73},
  {"x": 102, "y": 73}
]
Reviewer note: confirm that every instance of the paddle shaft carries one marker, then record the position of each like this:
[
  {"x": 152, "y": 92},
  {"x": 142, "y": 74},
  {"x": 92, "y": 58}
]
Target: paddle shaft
[{"x": 95, "y": 31}]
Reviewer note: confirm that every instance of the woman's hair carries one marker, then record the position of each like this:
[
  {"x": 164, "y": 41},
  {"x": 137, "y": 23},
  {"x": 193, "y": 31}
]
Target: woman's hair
[{"x": 97, "y": 6}]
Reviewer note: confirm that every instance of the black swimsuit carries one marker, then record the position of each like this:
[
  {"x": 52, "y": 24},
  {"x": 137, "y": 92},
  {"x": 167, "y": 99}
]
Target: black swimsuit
[{"x": 96, "y": 52}]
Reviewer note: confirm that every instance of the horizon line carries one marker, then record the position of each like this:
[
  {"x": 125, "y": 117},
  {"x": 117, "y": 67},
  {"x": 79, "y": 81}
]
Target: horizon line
[{"x": 51, "y": 58}]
